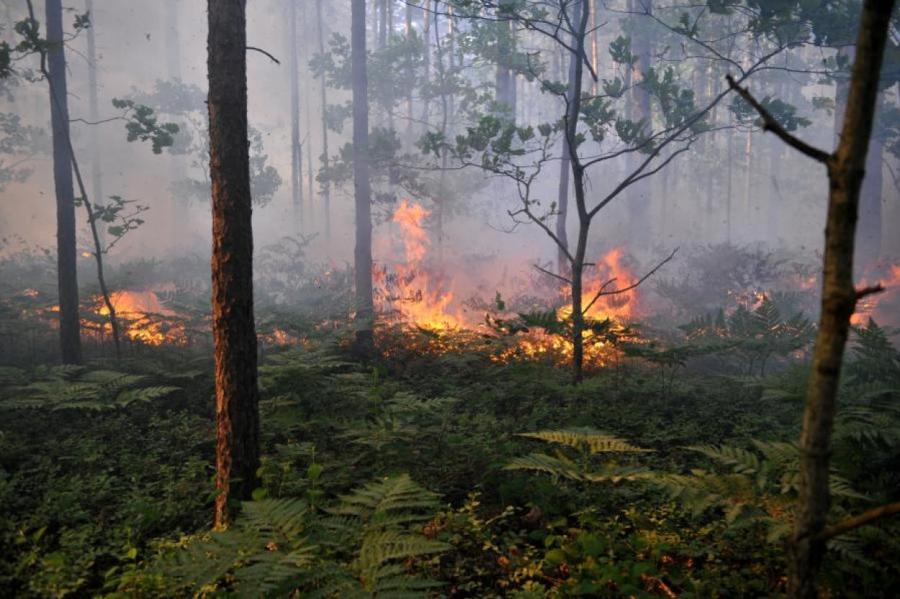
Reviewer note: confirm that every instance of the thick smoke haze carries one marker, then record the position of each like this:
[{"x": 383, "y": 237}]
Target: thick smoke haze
[{"x": 780, "y": 204}]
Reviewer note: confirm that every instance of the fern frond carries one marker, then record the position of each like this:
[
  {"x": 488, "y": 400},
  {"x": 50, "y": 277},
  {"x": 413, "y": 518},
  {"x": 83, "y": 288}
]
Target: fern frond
[
  {"x": 281, "y": 518},
  {"x": 594, "y": 440}
]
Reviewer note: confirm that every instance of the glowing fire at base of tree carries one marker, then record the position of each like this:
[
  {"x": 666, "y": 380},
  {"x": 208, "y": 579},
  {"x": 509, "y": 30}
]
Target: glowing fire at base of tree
[{"x": 417, "y": 295}]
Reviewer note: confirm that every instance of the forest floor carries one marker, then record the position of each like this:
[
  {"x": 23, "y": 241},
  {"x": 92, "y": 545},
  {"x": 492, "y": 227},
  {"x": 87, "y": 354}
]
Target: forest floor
[{"x": 106, "y": 472}]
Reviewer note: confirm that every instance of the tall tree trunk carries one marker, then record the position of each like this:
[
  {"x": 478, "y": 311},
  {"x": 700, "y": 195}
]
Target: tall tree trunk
[
  {"x": 66, "y": 262},
  {"x": 869, "y": 236},
  {"x": 409, "y": 74},
  {"x": 365, "y": 313},
  {"x": 639, "y": 193},
  {"x": 234, "y": 332},
  {"x": 426, "y": 59},
  {"x": 93, "y": 104},
  {"x": 180, "y": 221},
  {"x": 846, "y": 168},
  {"x": 565, "y": 163},
  {"x": 581, "y": 9},
  {"x": 296, "y": 149},
  {"x": 323, "y": 99}
]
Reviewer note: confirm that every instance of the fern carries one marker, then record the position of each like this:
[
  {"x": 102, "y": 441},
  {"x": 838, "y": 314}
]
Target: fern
[
  {"x": 75, "y": 387},
  {"x": 576, "y": 464},
  {"x": 264, "y": 553},
  {"x": 377, "y": 521},
  {"x": 594, "y": 441}
]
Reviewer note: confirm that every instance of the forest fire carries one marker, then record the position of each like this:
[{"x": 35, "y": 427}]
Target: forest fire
[
  {"x": 143, "y": 317},
  {"x": 881, "y": 307},
  {"x": 411, "y": 291},
  {"x": 415, "y": 293}
]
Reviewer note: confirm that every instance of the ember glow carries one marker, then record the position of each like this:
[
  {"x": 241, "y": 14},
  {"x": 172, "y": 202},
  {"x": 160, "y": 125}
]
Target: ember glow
[
  {"x": 414, "y": 291},
  {"x": 410, "y": 289},
  {"x": 882, "y": 307},
  {"x": 142, "y": 317}
]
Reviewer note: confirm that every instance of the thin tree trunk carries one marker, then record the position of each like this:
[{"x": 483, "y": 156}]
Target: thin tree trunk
[
  {"x": 237, "y": 394},
  {"x": 409, "y": 74},
  {"x": 846, "y": 168},
  {"x": 93, "y": 104},
  {"x": 67, "y": 269},
  {"x": 426, "y": 59},
  {"x": 323, "y": 98},
  {"x": 565, "y": 163},
  {"x": 296, "y": 149},
  {"x": 580, "y": 18},
  {"x": 869, "y": 244},
  {"x": 639, "y": 193},
  {"x": 365, "y": 313}
]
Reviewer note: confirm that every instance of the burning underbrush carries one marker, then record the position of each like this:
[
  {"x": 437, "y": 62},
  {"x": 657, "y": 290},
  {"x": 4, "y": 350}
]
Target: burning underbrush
[
  {"x": 433, "y": 301},
  {"x": 428, "y": 310}
]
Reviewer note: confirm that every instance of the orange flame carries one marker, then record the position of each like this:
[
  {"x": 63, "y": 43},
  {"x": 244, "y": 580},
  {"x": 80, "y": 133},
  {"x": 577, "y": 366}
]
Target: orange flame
[
  {"x": 413, "y": 291},
  {"x": 880, "y": 306},
  {"x": 142, "y": 317}
]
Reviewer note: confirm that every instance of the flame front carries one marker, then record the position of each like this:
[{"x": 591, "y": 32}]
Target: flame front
[
  {"x": 142, "y": 317},
  {"x": 412, "y": 291},
  {"x": 416, "y": 293}
]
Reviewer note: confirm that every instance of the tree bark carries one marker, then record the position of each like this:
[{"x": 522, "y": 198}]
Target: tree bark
[
  {"x": 67, "y": 270},
  {"x": 93, "y": 105},
  {"x": 846, "y": 168},
  {"x": 234, "y": 333},
  {"x": 580, "y": 19},
  {"x": 323, "y": 98},
  {"x": 869, "y": 234},
  {"x": 296, "y": 149},
  {"x": 565, "y": 163},
  {"x": 639, "y": 193},
  {"x": 365, "y": 313}
]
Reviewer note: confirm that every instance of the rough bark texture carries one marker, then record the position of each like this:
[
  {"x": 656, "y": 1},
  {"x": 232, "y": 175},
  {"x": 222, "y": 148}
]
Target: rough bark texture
[
  {"x": 67, "y": 273},
  {"x": 846, "y": 168},
  {"x": 362, "y": 186},
  {"x": 237, "y": 395}
]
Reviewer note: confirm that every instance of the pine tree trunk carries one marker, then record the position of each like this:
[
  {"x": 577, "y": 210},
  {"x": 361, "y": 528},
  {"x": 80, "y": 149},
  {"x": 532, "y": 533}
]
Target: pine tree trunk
[
  {"x": 365, "y": 313},
  {"x": 846, "y": 169},
  {"x": 296, "y": 149},
  {"x": 869, "y": 235},
  {"x": 67, "y": 270},
  {"x": 639, "y": 193},
  {"x": 323, "y": 98},
  {"x": 93, "y": 107},
  {"x": 237, "y": 394}
]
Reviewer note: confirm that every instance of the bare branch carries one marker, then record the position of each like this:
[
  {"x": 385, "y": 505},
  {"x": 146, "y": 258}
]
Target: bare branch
[
  {"x": 603, "y": 293},
  {"x": 261, "y": 51},
  {"x": 553, "y": 274},
  {"x": 770, "y": 124},
  {"x": 870, "y": 290},
  {"x": 862, "y": 519}
]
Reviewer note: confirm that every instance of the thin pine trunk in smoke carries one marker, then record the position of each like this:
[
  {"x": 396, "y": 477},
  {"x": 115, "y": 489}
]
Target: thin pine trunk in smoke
[
  {"x": 323, "y": 100},
  {"x": 93, "y": 104},
  {"x": 365, "y": 312},
  {"x": 296, "y": 147},
  {"x": 639, "y": 195},
  {"x": 66, "y": 251}
]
